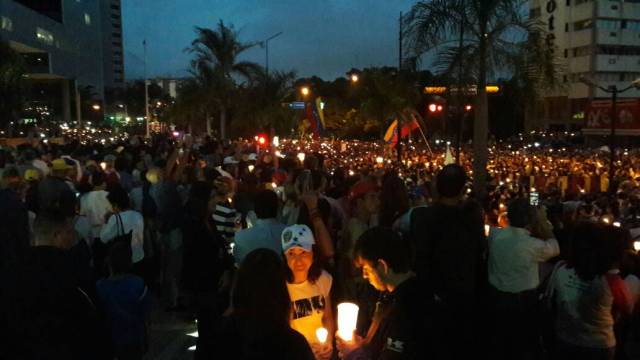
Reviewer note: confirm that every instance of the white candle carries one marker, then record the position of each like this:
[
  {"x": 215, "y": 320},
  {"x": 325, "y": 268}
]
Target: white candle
[
  {"x": 321, "y": 334},
  {"x": 347, "y": 320}
]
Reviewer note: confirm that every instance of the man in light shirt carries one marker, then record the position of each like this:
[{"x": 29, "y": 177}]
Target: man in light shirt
[
  {"x": 514, "y": 258},
  {"x": 265, "y": 233}
]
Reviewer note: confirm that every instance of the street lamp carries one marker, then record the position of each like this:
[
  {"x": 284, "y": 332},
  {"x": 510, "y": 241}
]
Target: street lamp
[
  {"x": 304, "y": 90},
  {"x": 354, "y": 78},
  {"x": 265, "y": 44},
  {"x": 96, "y": 107},
  {"x": 613, "y": 90}
]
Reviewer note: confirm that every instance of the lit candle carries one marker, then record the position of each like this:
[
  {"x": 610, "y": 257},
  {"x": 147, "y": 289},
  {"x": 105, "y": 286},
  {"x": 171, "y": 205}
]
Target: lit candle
[
  {"x": 347, "y": 319},
  {"x": 321, "y": 334}
]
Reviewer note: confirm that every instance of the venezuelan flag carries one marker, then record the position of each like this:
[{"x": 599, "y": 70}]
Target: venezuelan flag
[
  {"x": 391, "y": 136},
  {"x": 320, "y": 112}
]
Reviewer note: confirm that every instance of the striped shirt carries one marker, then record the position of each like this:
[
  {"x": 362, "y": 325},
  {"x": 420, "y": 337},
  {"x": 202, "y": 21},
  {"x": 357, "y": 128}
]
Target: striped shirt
[{"x": 224, "y": 219}]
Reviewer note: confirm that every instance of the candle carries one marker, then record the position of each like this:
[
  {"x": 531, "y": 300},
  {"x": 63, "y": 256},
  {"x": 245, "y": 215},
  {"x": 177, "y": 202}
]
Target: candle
[
  {"x": 347, "y": 319},
  {"x": 321, "y": 334}
]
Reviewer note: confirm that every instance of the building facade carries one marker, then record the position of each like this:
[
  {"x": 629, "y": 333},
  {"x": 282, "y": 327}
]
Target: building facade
[
  {"x": 598, "y": 40},
  {"x": 112, "y": 54},
  {"x": 68, "y": 46}
]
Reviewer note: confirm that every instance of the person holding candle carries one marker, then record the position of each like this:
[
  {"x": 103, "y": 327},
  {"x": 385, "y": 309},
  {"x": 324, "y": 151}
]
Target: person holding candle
[
  {"x": 257, "y": 324},
  {"x": 309, "y": 289},
  {"x": 399, "y": 328}
]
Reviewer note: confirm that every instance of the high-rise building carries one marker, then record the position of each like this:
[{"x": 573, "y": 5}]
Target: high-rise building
[
  {"x": 71, "y": 48},
  {"x": 598, "y": 40},
  {"x": 113, "y": 56}
]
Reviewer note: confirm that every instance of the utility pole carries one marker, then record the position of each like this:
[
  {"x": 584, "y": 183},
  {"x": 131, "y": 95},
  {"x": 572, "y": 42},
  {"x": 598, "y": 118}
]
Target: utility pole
[
  {"x": 612, "y": 138},
  {"x": 614, "y": 91},
  {"x": 460, "y": 84},
  {"x": 399, "y": 128},
  {"x": 146, "y": 90}
]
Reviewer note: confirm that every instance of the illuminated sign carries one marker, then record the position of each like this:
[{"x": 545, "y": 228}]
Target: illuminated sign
[{"x": 472, "y": 90}]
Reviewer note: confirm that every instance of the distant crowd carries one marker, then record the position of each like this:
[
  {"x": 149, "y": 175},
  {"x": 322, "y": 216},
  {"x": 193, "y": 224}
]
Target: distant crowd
[{"x": 261, "y": 243}]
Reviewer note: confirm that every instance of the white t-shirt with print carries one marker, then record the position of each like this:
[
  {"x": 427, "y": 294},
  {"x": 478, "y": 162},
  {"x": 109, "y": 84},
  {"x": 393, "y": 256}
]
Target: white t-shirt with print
[
  {"x": 583, "y": 309},
  {"x": 308, "y": 302}
]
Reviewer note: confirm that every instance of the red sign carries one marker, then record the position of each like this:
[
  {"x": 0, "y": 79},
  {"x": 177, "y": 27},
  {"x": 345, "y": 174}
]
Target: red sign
[{"x": 598, "y": 117}]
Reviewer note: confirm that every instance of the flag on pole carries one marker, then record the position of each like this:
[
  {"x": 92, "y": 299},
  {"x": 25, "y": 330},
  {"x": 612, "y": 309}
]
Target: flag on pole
[
  {"x": 313, "y": 113},
  {"x": 391, "y": 135}
]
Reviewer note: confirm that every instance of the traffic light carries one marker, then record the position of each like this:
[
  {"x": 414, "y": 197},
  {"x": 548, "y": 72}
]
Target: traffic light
[
  {"x": 435, "y": 107},
  {"x": 261, "y": 139}
]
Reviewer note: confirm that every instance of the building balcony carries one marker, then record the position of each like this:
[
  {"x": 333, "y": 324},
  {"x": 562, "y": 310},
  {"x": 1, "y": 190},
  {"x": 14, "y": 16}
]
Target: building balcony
[
  {"x": 619, "y": 63},
  {"x": 626, "y": 37},
  {"x": 618, "y": 9}
]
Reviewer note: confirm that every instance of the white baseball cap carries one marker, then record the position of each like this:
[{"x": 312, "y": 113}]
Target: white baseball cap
[
  {"x": 297, "y": 235},
  {"x": 229, "y": 160}
]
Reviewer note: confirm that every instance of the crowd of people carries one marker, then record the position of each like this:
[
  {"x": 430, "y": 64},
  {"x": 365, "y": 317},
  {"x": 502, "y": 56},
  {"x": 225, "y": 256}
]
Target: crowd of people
[{"x": 260, "y": 243}]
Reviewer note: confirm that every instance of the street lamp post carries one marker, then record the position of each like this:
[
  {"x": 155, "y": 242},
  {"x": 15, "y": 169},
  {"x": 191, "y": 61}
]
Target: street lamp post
[
  {"x": 265, "y": 43},
  {"x": 613, "y": 90}
]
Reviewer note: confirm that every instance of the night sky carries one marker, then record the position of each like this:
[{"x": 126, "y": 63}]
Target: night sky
[{"x": 320, "y": 37}]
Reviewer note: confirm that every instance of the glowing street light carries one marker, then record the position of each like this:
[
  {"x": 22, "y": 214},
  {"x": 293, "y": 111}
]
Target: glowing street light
[
  {"x": 354, "y": 78},
  {"x": 304, "y": 90},
  {"x": 96, "y": 107}
]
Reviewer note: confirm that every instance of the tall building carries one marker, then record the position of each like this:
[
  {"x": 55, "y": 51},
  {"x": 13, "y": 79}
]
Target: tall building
[
  {"x": 68, "y": 45},
  {"x": 113, "y": 56},
  {"x": 595, "y": 39}
]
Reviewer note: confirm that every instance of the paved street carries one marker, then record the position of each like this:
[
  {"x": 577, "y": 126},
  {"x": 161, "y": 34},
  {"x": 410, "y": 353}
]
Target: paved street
[{"x": 168, "y": 333}]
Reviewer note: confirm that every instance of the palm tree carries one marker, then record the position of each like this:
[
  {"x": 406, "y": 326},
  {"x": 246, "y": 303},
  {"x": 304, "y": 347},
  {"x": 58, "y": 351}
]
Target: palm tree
[
  {"x": 12, "y": 84},
  {"x": 481, "y": 36},
  {"x": 217, "y": 67},
  {"x": 263, "y": 102}
]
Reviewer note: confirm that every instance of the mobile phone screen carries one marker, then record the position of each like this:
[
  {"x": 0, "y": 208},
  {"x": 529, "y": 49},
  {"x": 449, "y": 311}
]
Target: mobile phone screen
[{"x": 533, "y": 198}]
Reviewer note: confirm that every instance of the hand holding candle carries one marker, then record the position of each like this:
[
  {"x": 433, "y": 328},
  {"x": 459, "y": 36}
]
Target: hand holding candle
[{"x": 322, "y": 334}]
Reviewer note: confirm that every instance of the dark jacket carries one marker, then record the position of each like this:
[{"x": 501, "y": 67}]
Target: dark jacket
[
  {"x": 14, "y": 222},
  {"x": 450, "y": 250},
  {"x": 43, "y": 312},
  {"x": 400, "y": 326},
  {"x": 243, "y": 339}
]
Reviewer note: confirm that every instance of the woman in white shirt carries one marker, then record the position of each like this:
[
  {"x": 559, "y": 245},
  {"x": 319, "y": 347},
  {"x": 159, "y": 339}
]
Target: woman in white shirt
[
  {"x": 587, "y": 295},
  {"x": 123, "y": 221},
  {"x": 309, "y": 289}
]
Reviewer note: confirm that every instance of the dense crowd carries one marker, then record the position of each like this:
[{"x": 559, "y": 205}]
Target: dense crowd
[{"x": 261, "y": 242}]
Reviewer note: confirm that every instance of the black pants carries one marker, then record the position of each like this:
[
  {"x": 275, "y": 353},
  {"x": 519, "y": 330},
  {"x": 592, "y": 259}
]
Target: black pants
[{"x": 515, "y": 326}]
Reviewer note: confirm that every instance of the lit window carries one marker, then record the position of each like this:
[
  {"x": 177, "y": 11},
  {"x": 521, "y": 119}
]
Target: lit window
[
  {"x": 87, "y": 19},
  {"x": 6, "y": 23},
  {"x": 44, "y": 36}
]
